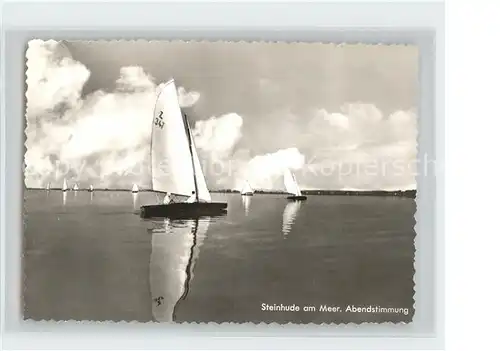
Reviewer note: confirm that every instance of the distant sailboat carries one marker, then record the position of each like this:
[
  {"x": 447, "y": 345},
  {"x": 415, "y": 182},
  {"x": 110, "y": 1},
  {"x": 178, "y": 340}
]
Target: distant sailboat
[
  {"x": 65, "y": 186},
  {"x": 75, "y": 187},
  {"x": 175, "y": 166},
  {"x": 91, "y": 188},
  {"x": 289, "y": 215},
  {"x": 247, "y": 189},
  {"x": 47, "y": 187},
  {"x": 175, "y": 250},
  {"x": 135, "y": 188},
  {"x": 292, "y": 187}
]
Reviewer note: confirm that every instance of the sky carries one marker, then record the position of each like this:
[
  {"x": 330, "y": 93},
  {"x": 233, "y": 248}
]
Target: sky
[{"x": 340, "y": 116}]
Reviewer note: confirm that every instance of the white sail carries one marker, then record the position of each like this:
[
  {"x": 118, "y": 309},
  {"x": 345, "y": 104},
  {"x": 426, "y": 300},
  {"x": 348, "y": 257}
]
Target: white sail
[
  {"x": 247, "y": 189},
  {"x": 175, "y": 249},
  {"x": 135, "y": 188},
  {"x": 171, "y": 150},
  {"x": 48, "y": 186},
  {"x": 291, "y": 185},
  {"x": 75, "y": 187},
  {"x": 91, "y": 187},
  {"x": 65, "y": 185},
  {"x": 289, "y": 216}
]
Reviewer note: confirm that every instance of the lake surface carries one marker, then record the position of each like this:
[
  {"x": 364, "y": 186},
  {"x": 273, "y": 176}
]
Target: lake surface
[{"x": 89, "y": 256}]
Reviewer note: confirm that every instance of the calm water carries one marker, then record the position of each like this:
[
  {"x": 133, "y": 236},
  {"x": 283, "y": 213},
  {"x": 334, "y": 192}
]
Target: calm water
[{"x": 91, "y": 257}]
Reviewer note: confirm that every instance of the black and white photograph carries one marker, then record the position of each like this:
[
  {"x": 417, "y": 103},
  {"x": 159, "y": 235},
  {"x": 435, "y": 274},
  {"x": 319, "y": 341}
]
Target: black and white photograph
[{"x": 199, "y": 181}]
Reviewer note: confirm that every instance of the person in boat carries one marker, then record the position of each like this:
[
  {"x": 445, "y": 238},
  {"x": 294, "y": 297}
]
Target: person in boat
[
  {"x": 167, "y": 199},
  {"x": 192, "y": 198}
]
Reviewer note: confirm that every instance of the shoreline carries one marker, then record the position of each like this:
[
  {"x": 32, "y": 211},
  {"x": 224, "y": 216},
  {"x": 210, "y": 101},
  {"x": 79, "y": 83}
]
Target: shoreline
[{"x": 401, "y": 193}]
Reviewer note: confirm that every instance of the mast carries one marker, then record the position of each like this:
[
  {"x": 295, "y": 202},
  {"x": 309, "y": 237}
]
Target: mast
[{"x": 188, "y": 133}]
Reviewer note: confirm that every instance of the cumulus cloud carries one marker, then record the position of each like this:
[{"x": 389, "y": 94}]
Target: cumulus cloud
[{"x": 102, "y": 138}]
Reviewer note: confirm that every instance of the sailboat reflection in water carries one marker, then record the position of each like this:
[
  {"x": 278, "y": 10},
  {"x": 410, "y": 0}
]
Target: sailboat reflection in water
[
  {"x": 246, "y": 200},
  {"x": 175, "y": 166},
  {"x": 289, "y": 216},
  {"x": 175, "y": 250}
]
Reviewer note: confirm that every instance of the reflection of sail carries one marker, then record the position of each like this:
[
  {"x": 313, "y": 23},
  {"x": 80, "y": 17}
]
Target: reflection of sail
[
  {"x": 65, "y": 195},
  {"x": 175, "y": 248},
  {"x": 91, "y": 196},
  {"x": 289, "y": 215},
  {"x": 247, "y": 189},
  {"x": 246, "y": 203},
  {"x": 134, "y": 199},
  {"x": 291, "y": 183}
]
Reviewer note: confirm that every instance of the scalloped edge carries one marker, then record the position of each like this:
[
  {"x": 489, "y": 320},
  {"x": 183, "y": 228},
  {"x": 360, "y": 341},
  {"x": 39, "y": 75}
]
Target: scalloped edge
[{"x": 343, "y": 325}]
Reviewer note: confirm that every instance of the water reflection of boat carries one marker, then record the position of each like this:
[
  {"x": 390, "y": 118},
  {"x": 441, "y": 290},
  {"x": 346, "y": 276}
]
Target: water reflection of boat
[
  {"x": 289, "y": 215},
  {"x": 134, "y": 199},
  {"x": 175, "y": 250},
  {"x": 247, "y": 189},
  {"x": 65, "y": 196},
  {"x": 246, "y": 203}
]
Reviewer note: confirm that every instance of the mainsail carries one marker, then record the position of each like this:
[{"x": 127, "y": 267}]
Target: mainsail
[
  {"x": 175, "y": 166},
  {"x": 291, "y": 185},
  {"x": 65, "y": 185}
]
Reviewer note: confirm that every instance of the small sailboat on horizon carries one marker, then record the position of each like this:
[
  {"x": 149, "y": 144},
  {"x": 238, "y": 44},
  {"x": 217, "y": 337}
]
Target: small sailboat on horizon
[
  {"x": 65, "y": 185},
  {"x": 135, "y": 188},
  {"x": 247, "y": 189},
  {"x": 292, "y": 187},
  {"x": 47, "y": 187},
  {"x": 289, "y": 215},
  {"x": 75, "y": 187},
  {"x": 175, "y": 167},
  {"x": 91, "y": 188}
]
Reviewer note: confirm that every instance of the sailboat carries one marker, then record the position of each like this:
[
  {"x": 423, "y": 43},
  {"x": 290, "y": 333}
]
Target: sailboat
[
  {"x": 65, "y": 185},
  {"x": 246, "y": 204},
  {"x": 135, "y": 188},
  {"x": 75, "y": 187},
  {"x": 175, "y": 249},
  {"x": 247, "y": 189},
  {"x": 47, "y": 187},
  {"x": 91, "y": 188},
  {"x": 292, "y": 187},
  {"x": 175, "y": 166}
]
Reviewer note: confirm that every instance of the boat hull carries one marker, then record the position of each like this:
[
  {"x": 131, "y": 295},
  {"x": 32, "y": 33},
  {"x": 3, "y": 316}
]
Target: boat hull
[
  {"x": 247, "y": 194},
  {"x": 183, "y": 210},
  {"x": 297, "y": 198}
]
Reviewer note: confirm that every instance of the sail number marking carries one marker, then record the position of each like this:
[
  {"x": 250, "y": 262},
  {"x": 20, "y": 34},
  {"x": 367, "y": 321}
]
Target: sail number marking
[{"x": 159, "y": 120}]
